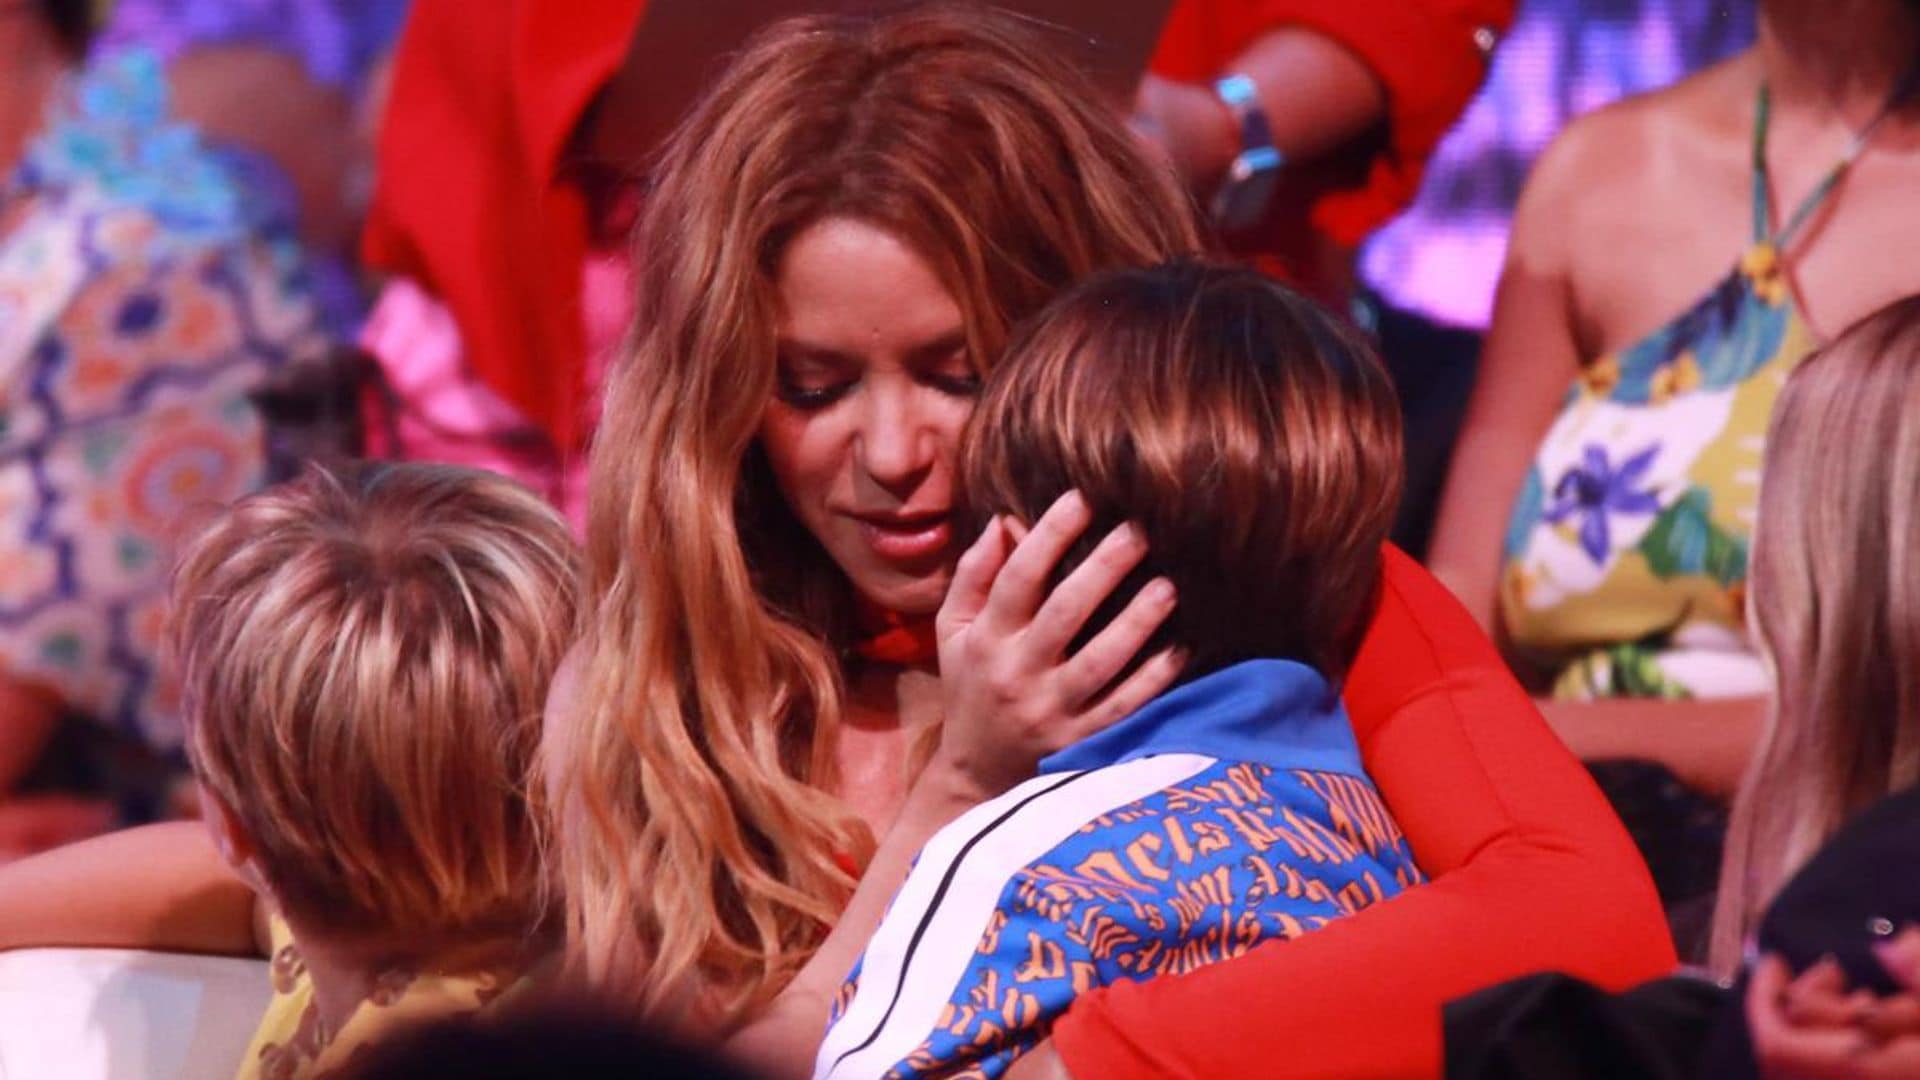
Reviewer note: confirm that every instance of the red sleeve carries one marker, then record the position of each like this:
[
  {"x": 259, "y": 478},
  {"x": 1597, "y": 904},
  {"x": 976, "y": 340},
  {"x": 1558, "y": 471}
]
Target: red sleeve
[
  {"x": 1428, "y": 54},
  {"x": 1531, "y": 871}
]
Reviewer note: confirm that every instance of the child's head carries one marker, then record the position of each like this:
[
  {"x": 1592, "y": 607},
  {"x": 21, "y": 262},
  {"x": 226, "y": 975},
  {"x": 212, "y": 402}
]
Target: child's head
[
  {"x": 1253, "y": 438},
  {"x": 363, "y": 659}
]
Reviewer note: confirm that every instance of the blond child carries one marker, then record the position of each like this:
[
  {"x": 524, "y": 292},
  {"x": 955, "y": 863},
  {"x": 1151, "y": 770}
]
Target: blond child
[{"x": 363, "y": 658}]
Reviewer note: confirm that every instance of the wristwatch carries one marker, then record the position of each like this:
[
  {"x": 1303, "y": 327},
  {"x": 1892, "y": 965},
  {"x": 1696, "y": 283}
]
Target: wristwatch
[{"x": 1243, "y": 196}]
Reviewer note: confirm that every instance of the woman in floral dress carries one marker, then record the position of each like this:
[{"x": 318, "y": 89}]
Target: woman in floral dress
[
  {"x": 141, "y": 304},
  {"x": 1600, "y": 503}
]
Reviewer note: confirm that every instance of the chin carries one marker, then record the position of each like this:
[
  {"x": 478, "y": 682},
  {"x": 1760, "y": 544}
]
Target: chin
[{"x": 916, "y": 596}]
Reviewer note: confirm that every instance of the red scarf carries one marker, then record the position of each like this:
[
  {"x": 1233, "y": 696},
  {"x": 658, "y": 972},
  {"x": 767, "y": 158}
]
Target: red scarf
[{"x": 892, "y": 638}]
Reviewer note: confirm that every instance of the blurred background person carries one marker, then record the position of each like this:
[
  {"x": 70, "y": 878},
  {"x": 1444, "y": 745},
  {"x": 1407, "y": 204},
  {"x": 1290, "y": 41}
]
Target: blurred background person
[
  {"x": 287, "y": 92},
  {"x": 1599, "y": 508},
  {"x": 145, "y": 296}
]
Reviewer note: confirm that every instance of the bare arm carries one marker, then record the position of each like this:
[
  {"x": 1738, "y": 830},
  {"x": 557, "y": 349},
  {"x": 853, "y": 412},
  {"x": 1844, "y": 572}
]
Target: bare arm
[
  {"x": 1530, "y": 358},
  {"x": 1316, "y": 94},
  {"x": 1707, "y": 744},
  {"x": 161, "y": 887}
]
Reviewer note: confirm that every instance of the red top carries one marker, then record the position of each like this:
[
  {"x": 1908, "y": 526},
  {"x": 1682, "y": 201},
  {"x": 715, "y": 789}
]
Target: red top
[
  {"x": 1426, "y": 53},
  {"x": 1531, "y": 872},
  {"x": 471, "y": 203}
]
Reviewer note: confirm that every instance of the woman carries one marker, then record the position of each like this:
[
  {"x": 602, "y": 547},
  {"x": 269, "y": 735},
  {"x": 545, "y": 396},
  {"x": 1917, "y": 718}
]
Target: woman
[
  {"x": 836, "y": 242},
  {"x": 746, "y": 711},
  {"x": 1624, "y": 562},
  {"x": 1833, "y": 610},
  {"x": 141, "y": 304}
]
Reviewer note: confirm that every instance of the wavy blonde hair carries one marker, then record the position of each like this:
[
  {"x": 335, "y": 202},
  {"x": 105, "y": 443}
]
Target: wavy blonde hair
[
  {"x": 1835, "y": 604},
  {"x": 702, "y": 847},
  {"x": 363, "y": 657}
]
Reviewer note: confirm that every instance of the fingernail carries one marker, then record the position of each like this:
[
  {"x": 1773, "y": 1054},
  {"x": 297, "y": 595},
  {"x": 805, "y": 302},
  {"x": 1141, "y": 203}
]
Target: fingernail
[
  {"x": 1160, "y": 591},
  {"x": 1073, "y": 500},
  {"x": 1133, "y": 534}
]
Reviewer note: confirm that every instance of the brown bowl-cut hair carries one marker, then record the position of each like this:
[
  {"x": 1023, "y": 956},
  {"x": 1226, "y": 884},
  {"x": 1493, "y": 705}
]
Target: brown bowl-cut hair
[{"x": 1252, "y": 437}]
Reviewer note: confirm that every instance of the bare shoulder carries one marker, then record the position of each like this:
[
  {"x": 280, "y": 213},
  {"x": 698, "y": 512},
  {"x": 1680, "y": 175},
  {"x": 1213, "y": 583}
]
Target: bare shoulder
[{"x": 1622, "y": 162}]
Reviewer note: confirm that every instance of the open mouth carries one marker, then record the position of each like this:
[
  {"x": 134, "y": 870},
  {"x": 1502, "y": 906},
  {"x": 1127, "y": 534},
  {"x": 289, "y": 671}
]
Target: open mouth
[{"x": 907, "y": 537}]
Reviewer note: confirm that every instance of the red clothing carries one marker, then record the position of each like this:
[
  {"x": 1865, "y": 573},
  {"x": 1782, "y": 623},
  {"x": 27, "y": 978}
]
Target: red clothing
[
  {"x": 1531, "y": 872},
  {"x": 1424, "y": 52},
  {"x": 471, "y": 203}
]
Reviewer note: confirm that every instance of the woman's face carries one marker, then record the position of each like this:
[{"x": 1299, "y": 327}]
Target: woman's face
[{"x": 875, "y": 386}]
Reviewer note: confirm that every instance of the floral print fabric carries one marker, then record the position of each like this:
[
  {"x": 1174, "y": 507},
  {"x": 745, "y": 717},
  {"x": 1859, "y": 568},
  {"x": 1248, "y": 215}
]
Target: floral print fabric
[
  {"x": 140, "y": 305},
  {"x": 1626, "y": 554}
]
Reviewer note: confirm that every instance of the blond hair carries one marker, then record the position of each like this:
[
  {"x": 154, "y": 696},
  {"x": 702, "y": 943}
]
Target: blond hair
[
  {"x": 1835, "y": 604},
  {"x": 702, "y": 848},
  {"x": 1252, "y": 437},
  {"x": 363, "y": 658}
]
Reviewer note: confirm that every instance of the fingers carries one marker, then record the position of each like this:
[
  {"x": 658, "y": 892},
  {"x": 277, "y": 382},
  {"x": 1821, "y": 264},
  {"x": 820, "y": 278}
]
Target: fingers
[
  {"x": 1104, "y": 657},
  {"x": 973, "y": 578},
  {"x": 1021, "y": 586},
  {"x": 1901, "y": 957},
  {"x": 1073, "y": 601},
  {"x": 1818, "y": 998},
  {"x": 1147, "y": 682},
  {"x": 1891, "y": 1018},
  {"x": 1784, "y": 1049}
]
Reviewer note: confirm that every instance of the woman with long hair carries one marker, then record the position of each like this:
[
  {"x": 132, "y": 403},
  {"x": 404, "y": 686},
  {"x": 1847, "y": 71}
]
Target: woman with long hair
[
  {"x": 1836, "y": 609},
  {"x": 834, "y": 246}
]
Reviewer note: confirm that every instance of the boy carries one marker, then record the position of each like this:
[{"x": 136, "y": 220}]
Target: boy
[{"x": 1255, "y": 442}]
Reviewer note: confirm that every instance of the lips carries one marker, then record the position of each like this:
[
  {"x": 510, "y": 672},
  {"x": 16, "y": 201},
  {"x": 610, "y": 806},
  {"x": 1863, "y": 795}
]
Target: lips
[{"x": 906, "y": 538}]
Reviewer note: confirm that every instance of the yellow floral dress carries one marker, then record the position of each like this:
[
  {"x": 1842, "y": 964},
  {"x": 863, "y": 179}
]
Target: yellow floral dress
[
  {"x": 293, "y": 1044},
  {"x": 1626, "y": 554}
]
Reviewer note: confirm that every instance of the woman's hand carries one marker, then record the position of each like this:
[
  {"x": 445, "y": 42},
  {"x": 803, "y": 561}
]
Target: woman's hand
[
  {"x": 1812, "y": 1028},
  {"x": 1012, "y": 694}
]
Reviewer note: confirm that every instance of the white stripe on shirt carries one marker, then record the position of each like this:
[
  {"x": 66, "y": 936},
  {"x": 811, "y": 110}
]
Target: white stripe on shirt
[{"x": 891, "y": 1014}]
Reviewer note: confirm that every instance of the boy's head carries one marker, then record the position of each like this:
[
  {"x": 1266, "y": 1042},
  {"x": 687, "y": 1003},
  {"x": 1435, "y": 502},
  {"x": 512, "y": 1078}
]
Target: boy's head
[
  {"x": 1254, "y": 439},
  {"x": 363, "y": 659}
]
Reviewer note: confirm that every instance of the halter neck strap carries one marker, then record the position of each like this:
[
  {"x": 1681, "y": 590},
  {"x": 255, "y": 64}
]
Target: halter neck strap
[{"x": 1762, "y": 184}]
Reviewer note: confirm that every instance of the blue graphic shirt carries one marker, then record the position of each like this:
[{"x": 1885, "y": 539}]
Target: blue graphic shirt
[{"x": 1228, "y": 812}]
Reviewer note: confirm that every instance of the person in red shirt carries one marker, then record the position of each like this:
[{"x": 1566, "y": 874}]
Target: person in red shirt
[{"x": 1351, "y": 98}]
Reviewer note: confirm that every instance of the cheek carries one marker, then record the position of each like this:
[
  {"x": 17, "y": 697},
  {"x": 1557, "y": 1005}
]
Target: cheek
[
  {"x": 804, "y": 451},
  {"x": 950, "y": 426}
]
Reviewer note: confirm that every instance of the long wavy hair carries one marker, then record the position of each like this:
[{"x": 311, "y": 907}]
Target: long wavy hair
[
  {"x": 703, "y": 851},
  {"x": 1835, "y": 604}
]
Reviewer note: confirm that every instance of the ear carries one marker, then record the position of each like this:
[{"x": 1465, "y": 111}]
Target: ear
[{"x": 230, "y": 836}]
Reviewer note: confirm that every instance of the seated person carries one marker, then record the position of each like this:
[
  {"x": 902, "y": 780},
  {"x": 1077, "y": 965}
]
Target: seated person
[
  {"x": 1255, "y": 443},
  {"x": 363, "y": 660}
]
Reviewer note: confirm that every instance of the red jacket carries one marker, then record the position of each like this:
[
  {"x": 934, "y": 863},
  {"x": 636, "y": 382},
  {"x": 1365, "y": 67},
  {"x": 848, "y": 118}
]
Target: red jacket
[{"x": 1530, "y": 872}]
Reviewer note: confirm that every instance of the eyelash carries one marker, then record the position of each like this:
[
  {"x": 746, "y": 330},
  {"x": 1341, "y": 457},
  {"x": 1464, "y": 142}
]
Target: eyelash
[{"x": 810, "y": 399}]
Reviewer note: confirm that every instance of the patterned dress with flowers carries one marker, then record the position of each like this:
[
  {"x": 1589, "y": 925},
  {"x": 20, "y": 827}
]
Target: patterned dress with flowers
[
  {"x": 140, "y": 305},
  {"x": 1626, "y": 555}
]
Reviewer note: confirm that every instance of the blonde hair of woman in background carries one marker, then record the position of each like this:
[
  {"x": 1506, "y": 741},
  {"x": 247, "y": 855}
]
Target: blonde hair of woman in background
[
  {"x": 703, "y": 849},
  {"x": 1835, "y": 605}
]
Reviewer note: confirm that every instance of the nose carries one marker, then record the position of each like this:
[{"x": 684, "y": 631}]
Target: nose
[{"x": 897, "y": 443}]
